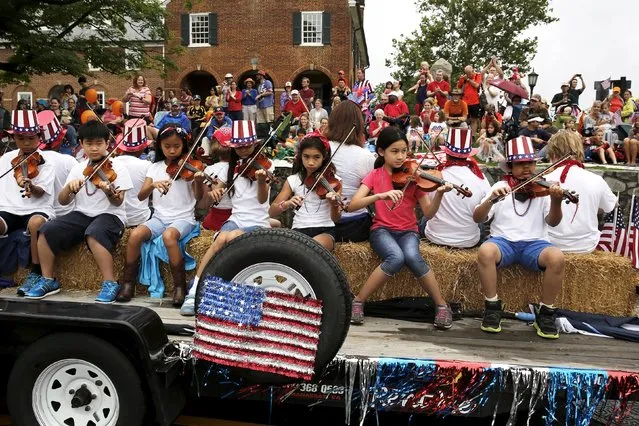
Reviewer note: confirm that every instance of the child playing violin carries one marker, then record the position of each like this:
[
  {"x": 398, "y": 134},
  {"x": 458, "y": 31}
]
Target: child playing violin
[
  {"x": 394, "y": 234},
  {"x": 519, "y": 234},
  {"x": 173, "y": 215},
  {"x": 26, "y": 193},
  {"x": 248, "y": 186},
  {"x": 97, "y": 188},
  {"x": 315, "y": 217},
  {"x": 219, "y": 214}
]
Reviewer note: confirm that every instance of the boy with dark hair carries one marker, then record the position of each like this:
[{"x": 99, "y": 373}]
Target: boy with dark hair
[{"x": 97, "y": 219}]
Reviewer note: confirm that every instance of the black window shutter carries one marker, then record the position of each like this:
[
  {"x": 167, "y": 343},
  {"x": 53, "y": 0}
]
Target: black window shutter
[
  {"x": 297, "y": 28},
  {"x": 186, "y": 29},
  {"x": 213, "y": 29},
  {"x": 326, "y": 28}
]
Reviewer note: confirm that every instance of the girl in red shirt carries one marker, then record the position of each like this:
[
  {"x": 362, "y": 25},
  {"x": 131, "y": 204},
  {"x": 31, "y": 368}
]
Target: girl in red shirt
[{"x": 234, "y": 100}]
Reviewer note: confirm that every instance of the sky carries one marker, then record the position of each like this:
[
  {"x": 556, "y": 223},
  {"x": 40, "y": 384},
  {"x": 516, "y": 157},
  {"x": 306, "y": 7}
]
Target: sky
[{"x": 592, "y": 37}]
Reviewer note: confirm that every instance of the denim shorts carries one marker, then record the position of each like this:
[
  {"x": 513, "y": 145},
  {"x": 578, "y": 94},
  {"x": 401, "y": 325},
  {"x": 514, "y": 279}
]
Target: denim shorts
[
  {"x": 229, "y": 225},
  {"x": 525, "y": 253},
  {"x": 398, "y": 248},
  {"x": 157, "y": 227}
]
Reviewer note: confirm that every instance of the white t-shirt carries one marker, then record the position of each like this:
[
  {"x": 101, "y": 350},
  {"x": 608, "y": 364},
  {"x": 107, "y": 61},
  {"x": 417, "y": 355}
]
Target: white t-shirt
[
  {"x": 178, "y": 203},
  {"x": 11, "y": 200},
  {"x": 509, "y": 225},
  {"x": 353, "y": 164},
  {"x": 215, "y": 170},
  {"x": 63, "y": 163},
  {"x": 92, "y": 201},
  {"x": 247, "y": 211},
  {"x": 453, "y": 223},
  {"x": 137, "y": 211},
  {"x": 581, "y": 235},
  {"x": 437, "y": 129},
  {"x": 314, "y": 213},
  {"x": 399, "y": 93}
]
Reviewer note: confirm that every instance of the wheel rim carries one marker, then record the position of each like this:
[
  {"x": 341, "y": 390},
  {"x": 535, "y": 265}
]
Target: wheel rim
[
  {"x": 276, "y": 277},
  {"x": 55, "y": 388}
]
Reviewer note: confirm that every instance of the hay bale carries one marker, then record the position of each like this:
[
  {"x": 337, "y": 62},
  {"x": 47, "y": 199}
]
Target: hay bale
[{"x": 598, "y": 282}]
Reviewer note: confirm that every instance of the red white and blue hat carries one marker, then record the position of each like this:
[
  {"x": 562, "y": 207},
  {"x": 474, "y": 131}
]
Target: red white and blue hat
[
  {"x": 25, "y": 121},
  {"x": 520, "y": 149},
  {"x": 243, "y": 134},
  {"x": 52, "y": 131},
  {"x": 223, "y": 136},
  {"x": 459, "y": 143},
  {"x": 135, "y": 139}
]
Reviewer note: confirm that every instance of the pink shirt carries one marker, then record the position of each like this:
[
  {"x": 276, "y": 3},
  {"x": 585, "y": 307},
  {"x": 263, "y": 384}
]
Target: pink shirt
[
  {"x": 137, "y": 107},
  {"x": 402, "y": 218}
]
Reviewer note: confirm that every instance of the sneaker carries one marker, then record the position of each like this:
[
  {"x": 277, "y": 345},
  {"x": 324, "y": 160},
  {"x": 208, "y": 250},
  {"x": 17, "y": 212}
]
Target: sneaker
[
  {"x": 29, "y": 282},
  {"x": 545, "y": 322},
  {"x": 108, "y": 293},
  {"x": 492, "y": 316},
  {"x": 357, "y": 316},
  {"x": 43, "y": 288},
  {"x": 188, "y": 307},
  {"x": 444, "y": 317}
]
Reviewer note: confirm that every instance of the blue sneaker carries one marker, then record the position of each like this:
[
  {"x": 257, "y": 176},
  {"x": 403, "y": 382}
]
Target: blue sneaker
[
  {"x": 43, "y": 288},
  {"x": 108, "y": 293},
  {"x": 29, "y": 282}
]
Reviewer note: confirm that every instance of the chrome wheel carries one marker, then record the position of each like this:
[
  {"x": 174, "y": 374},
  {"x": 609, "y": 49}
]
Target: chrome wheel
[{"x": 276, "y": 277}]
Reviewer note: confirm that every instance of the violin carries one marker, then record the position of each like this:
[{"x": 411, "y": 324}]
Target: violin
[
  {"x": 25, "y": 167},
  {"x": 541, "y": 188},
  {"x": 260, "y": 162},
  {"x": 187, "y": 170},
  {"x": 104, "y": 173},
  {"x": 323, "y": 185},
  {"x": 427, "y": 181}
]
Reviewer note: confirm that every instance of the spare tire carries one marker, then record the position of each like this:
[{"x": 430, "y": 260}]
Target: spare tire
[{"x": 286, "y": 260}]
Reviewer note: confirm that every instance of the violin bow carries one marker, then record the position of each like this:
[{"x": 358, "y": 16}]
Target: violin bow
[
  {"x": 195, "y": 144},
  {"x": 285, "y": 122},
  {"x": 548, "y": 169}
]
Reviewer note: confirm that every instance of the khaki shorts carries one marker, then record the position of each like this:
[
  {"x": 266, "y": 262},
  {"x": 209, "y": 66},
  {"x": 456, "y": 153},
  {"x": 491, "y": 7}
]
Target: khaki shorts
[{"x": 265, "y": 115}]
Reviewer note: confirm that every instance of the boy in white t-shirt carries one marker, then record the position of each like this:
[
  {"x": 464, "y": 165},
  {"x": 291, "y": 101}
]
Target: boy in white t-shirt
[
  {"x": 453, "y": 224},
  {"x": 97, "y": 219},
  {"x": 519, "y": 234},
  {"x": 25, "y": 204}
]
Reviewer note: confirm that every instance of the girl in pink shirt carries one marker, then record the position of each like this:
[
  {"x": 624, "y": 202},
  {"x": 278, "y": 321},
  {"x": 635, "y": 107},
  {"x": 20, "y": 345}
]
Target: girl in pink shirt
[{"x": 394, "y": 236}]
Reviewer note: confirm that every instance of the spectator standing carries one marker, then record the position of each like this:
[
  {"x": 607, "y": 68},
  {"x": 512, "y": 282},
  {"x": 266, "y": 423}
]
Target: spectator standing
[
  {"x": 420, "y": 89},
  {"x": 139, "y": 98},
  {"x": 439, "y": 89},
  {"x": 317, "y": 113},
  {"x": 306, "y": 93},
  {"x": 185, "y": 99},
  {"x": 158, "y": 101},
  {"x": 341, "y": 89},
  {"x": 629, "y": 107},
  {"x": 286, "y": 95},
  {"x": 234, "y": 102},
  {"x": 249, "y": 101},
  {"x": 470, "y": 83},
  {"x": 573, "y": 91},
  {"x": 265, "y": 99},
  {"x": 226, "y": 84},
  {"x": 67, "y": 93},
  {"x": 213, "y": 99}
]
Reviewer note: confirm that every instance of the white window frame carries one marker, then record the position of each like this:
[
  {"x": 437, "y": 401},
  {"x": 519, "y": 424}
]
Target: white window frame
[
  {"x": 92, "y": 68},
  {"x": 208, "y": 28},
  {"x": 19, "y": 96},
  {"x": 317, "y": 16},
  {"x": 102, "y": 102},
  {"x": 127, "y": 64}
]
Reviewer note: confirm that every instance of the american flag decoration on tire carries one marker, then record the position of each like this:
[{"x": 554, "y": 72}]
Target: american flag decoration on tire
[{"x": 246, "y": 326}]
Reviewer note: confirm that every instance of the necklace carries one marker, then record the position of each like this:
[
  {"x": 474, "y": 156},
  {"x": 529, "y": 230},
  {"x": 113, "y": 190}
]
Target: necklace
[{"x": 527, "y": 208}]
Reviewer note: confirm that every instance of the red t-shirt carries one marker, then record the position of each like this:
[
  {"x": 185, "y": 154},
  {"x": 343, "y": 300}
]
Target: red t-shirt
[
  {"x": 402, "y": 218},
  {"x": 374, "y": 126},
  {"x": 616, "y": 104},
  {"x": 307, "y": 94},
  {"x": 296, "y": 109},
  {"x": 396, "y": 109},
  {"x": 498, "y": 117},
  {"x": 234, "y": 105},
  {"x": 443, "y": 86},
  {"x": 471, "y": 95}
]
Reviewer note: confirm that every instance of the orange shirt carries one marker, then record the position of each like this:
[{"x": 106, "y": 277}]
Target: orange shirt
[{"x": 453, "y": 109}]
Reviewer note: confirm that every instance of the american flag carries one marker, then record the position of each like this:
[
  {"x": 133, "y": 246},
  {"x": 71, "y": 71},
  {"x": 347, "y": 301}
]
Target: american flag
[
  {"x": 622, "y": 246},
  {"x": 605, "y": 84},
  {"x": 246, "y": 326},
  {"x": 634, "y": 233},
  {"x": 607, "y": 238}
]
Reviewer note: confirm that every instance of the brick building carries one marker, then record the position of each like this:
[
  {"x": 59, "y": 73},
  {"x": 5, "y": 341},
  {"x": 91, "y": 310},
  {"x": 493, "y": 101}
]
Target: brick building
[{"x": 289, "y": 39}]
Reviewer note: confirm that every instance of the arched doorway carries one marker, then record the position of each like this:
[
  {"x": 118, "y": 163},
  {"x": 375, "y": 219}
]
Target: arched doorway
[
  {"x": 56, "y": 91},
  {"x": 252, "y": 74},
  {"x": 320, "y": 83},
  {"x": 199, "y": 83}
]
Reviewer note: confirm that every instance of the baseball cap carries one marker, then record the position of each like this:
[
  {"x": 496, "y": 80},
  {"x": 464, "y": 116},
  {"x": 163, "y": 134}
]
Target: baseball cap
[
  {"x": 288, "y": 84},
  {"x": 197, "y": 98},
  {"x": 536, "y": 96},
  {"x": 218, "y": 110},
  {"x": 535, "y": 118},
  {"x": 565, "y": 84},
  {"x": 175, "y": 102},
  {"x": 617, "y": 89},
  {"x": 228, "y": 75},
  {"x": 295, "y": 92}
]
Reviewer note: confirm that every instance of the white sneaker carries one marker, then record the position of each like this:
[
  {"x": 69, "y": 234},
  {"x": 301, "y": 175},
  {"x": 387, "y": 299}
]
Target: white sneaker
[{"x": 188, "y": 307}]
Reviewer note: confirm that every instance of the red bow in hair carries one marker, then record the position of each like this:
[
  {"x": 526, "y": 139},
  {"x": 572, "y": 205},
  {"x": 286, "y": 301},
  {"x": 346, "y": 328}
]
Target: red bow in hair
[
  {"x": 318, "y": 135},
  {"x": 470, "y": 162}
]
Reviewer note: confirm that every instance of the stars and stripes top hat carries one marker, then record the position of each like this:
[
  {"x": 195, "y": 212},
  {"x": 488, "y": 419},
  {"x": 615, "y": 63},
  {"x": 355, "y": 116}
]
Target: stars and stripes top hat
[
  {"x": 243, "y": 134},
  {"x": 25, "y": 121},
  {"x": 52, "y": 131},
  {"x": 459, "y": 143},
  {"x": 223, "y": 136},
  {"x": 520, "y": 149},
  {"x": 135, "y": 140}
]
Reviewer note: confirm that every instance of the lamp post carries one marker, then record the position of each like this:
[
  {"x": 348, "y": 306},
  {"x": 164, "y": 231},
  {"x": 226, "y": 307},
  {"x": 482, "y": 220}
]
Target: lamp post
[{"x": 532, "y": 80}]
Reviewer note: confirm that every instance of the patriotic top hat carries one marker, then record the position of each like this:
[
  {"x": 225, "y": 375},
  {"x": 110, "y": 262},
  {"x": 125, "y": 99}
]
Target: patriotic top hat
[
  {"x": 243, "y": 134},
  {"x": 460, "y": 143},
  {"x": 520, "y": 149},
  {"x": 134, "y": 136},
  {"x": 52, "y": 131},
  {"x": 223, "y": 136},
  {"x": 25, "y": 121}
]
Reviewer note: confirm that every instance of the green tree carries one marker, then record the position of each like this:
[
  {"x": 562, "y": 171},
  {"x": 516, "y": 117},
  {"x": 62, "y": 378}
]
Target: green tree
[
  {"x": 470, "y": 32},
  {"x": 50, "y": 36}
]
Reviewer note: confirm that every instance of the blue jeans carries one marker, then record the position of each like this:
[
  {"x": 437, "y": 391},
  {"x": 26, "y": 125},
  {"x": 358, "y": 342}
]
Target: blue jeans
[{"x": 397, "y": 248}]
